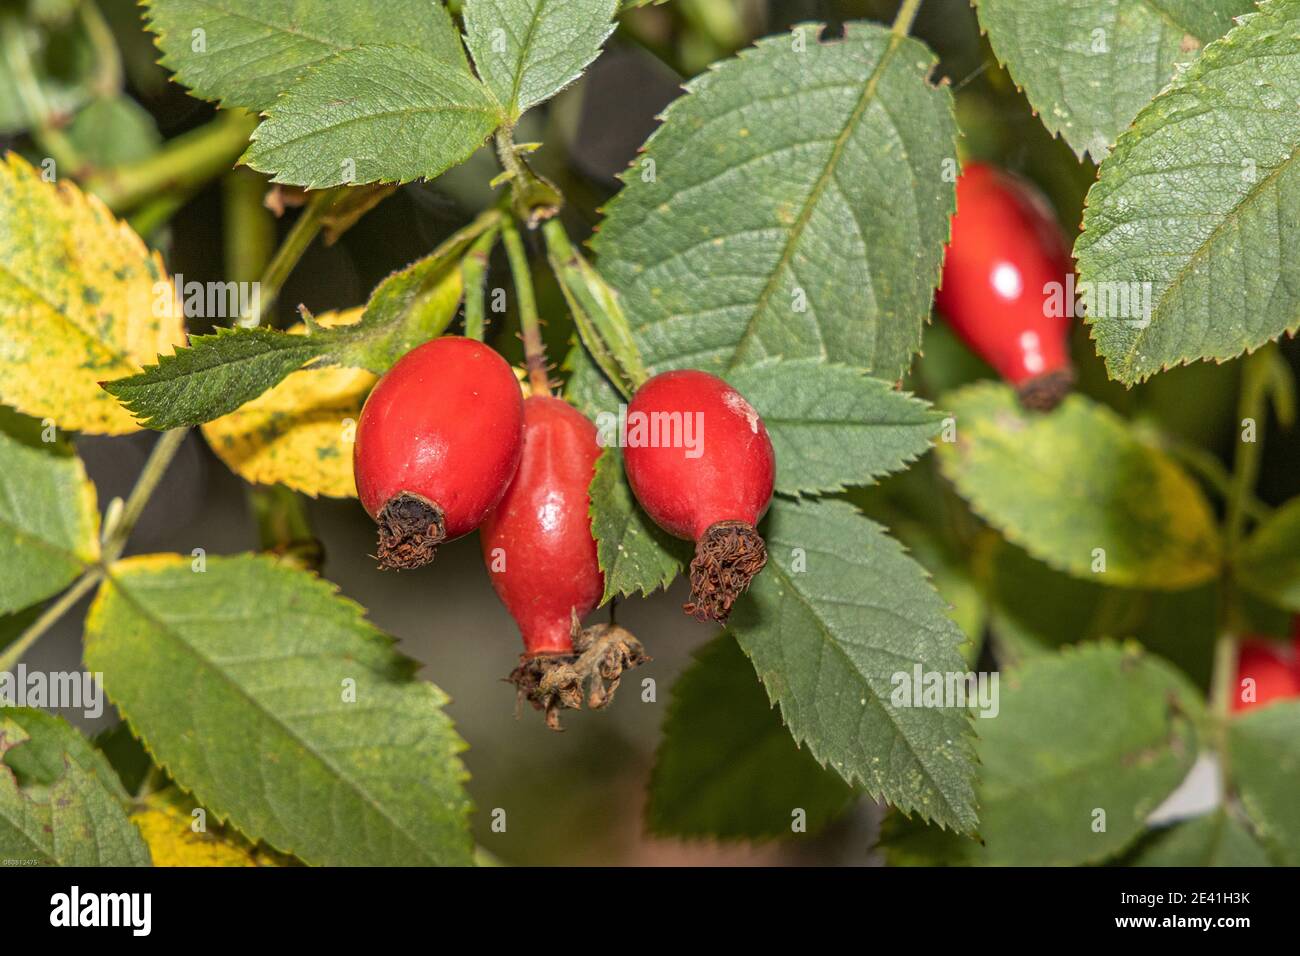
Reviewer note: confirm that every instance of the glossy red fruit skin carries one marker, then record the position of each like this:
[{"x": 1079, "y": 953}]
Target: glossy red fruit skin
[
  {"x": 543, "y": 528},
  {"x": 445, "y": 423},
  {"x": 1006, "y": 246},
  {"x": 732, "y": 477},
  {"x": 1275, "y": 677}
]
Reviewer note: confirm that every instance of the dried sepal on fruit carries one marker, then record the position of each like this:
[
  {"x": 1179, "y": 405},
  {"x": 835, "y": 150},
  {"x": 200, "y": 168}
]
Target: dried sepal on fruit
[
  {"x": 438, "y": 441},
  {"x": 541, "y": 557},
  {"x": 701, "y": 464}
]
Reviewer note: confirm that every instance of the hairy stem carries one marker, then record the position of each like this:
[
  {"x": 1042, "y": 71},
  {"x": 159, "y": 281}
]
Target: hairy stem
[
  {"x": 529, "y": 323},
  {"x": 474, "y": 269},
  {"x": 184, "y": 163}
]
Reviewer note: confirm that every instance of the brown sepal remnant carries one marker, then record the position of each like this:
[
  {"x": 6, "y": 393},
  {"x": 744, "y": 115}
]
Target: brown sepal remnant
[
  {"x": 556, "y": 682},
  {"x": 727, "y": 557},
  {"x": 410, "y": 529},
  {"x": 1044, "y": 392}
]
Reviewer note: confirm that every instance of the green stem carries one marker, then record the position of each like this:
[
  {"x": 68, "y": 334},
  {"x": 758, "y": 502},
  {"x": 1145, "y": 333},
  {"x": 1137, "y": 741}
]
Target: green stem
[
  {"x": 529, "y": 322},
  {"x": 248, "y": 228},
  {"x": 15, "y": 651},
  {"x": 473, "y": 271},
  {"x": 1256, "y": 374},
  {"x": 534, "y": 199},
  {"x": 304, "y": 231},
  {"x": 164, "y": 450},
  {"x": 184, "y": 163},
  {"x": 153, "y": 214},
  {"x": 1251, "y": 404},
  {"x": 906, "y": 15}
]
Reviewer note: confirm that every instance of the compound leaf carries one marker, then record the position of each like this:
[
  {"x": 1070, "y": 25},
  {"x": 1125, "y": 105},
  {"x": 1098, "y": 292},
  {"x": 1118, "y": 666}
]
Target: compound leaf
[
  {"x": 1094, "y": 728},
  {"x": 796, "y": 207},
  {"x": 81, "y": 300},
  {"x": 215, "y": 375},
  {"x": 1199, "y": 207},
  {"x": 247, "y": 52},
  {"x": 270, "y": 697},
  {"x": 1215, "y": 839},
  {"x": 1077, "y": 490},
  {"x": 837, "y": 615},
  {"x": 72, "y": 817},
  {"x": 526, "y": 51},
  {"x": 298, "y": 434},
  {"x": 635, "y": 553},
  {"x": 1088, "y": 67},
  {"x": 726, "y": 767},
  {"x": 1269, "y": 562},
  {"x": 833, "y": 426},
  {"x": 374, "y": 114},
  {"x": 49, "y": 523},
  {"x": 1265, "y": 748}
]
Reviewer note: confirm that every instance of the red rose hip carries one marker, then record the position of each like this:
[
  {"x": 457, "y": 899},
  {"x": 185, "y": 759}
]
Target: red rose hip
[
  {"x": 1005, "y": 248},
  {"x": 700, "y": 462},
  {"x": 1274, "y": 677},
  {"x": 537, "y": 542},
  {"x": 438, "y": 441}
]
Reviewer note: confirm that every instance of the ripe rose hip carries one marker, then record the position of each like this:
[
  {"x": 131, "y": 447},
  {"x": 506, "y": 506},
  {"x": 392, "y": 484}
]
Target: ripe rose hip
[
  {"x": 537, "y": 542},
  {"x": 1275, "y": 677},
  {"x": 699, "y": 460},
  {"x": 438, "y": 441},
  {"x": 1005, "y": 247}
]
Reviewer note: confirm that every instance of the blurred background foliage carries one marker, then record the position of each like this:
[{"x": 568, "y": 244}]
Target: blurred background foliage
[{"x": 578, "y": 797}]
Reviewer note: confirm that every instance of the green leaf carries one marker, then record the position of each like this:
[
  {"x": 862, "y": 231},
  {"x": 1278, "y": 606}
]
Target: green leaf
[
  {"x": 49, "y": 523},
  {"x": 597, "y": 312},
  {"x": 113, "y": 131},
  {"x": 52, "y": 740},
  {"x": 215, "y": 375},
  {"x": 1215, "y": 839},
  {"x": 1036, "y": 610},
  {"x": 374, "y": 114},
  {"x": 1064, "y": 484},
  {"x": 635, "y": 554},
  {"x": 410, "y": 307},
  {"x": 1088, "y": 67},
  {"x": 254, "y": 50},
  {"x": 238, "y": 680},
  {"x": 49, "y": 70},
  {"x": 1265, "y": 746},
  {"x": 1094, "y": 728},
  {"x": 1199, "y": 199},
  {"x": 839, "y": 612},
  {"x": 726, "y": 767},
  {"x": 796, "y": 207},
  {"x": 587, "y": 387},
  {"x": 1269, "y": 562},
  {"x": 526, "y": 51},
  {"x": 220, "y": 373},
  {"x": 73, "y": 818},
  {"x": 832, "y": 426}
]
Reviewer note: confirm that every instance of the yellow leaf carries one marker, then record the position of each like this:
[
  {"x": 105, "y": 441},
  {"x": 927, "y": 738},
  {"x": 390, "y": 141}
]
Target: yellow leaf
[
  {"x": 166, "y": 822},
  {"x": 81, "y": 301},
  {"x": 298, "y": 434}
]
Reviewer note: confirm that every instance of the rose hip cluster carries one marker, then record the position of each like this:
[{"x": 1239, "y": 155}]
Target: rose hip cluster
[
  {"x": 446, "y": 443},
  {"x": 1005, "y": 282}
]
